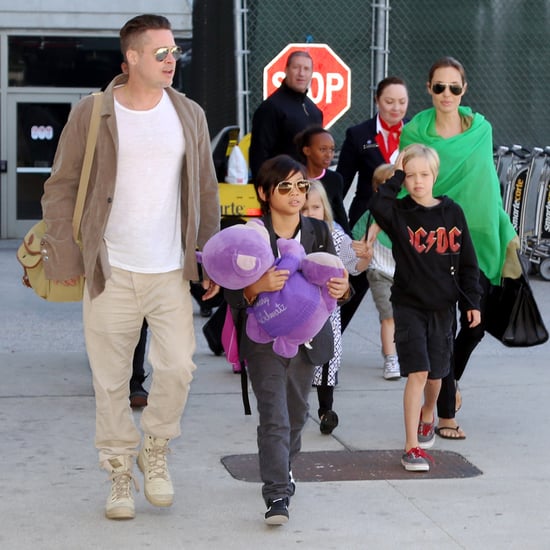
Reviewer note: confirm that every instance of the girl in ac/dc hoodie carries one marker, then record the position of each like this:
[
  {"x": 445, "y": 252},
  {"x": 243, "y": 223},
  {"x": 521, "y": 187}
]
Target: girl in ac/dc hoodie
[{"x": 436, "y": 266}]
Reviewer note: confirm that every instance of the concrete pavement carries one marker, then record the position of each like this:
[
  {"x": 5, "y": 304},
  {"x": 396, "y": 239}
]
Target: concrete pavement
[{"x": 53, "y": 492}]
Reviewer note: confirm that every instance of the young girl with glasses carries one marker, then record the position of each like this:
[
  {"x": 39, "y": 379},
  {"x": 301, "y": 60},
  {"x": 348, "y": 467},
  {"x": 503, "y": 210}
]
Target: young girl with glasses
[
  {"x": 464, "y": 141},
  {"x": 282, "y": 385},
  {"x": 355, "y": 260}
]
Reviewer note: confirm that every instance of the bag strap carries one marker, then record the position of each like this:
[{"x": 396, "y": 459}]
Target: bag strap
[
  {"x": 87, "y": 164},
  {"x": 239, "y": 327}
]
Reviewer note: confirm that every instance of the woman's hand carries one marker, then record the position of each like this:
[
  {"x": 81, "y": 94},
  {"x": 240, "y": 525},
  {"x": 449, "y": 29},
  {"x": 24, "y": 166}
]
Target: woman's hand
[
  {"x": 211, "y": 288},
  {"x": 474, "y": 317}
]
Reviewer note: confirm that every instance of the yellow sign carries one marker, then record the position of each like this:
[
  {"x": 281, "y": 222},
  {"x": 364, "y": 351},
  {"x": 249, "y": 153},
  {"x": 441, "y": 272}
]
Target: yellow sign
[{"x": 239, "y": 200}]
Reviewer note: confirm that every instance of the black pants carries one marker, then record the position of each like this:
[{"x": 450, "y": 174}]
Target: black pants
[
  {"x": 360, "y": 285},
  {"x": 138, "y": 362},
  {"x": 465, "y": 342}
]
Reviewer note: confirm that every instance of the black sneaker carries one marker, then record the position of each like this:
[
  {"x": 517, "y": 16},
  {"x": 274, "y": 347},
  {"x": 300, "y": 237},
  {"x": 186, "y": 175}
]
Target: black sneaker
[
  {"x": 277, "y": 511},
  {"x": 329, "y": 421},
  {"x": 138, "y": 396},
  {"x": 206, "y": 311},
  {"x": 291, "y": 484},
  {"x": 213, "y": 339}
]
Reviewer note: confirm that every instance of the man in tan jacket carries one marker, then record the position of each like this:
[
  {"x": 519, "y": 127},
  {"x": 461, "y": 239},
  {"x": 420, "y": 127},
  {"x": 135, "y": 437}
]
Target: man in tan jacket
[{"x": 152, "y": 201}]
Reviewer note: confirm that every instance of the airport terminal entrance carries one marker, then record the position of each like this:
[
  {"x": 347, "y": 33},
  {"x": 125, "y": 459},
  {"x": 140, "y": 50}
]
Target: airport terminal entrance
[{"x": 34, "y": 122}]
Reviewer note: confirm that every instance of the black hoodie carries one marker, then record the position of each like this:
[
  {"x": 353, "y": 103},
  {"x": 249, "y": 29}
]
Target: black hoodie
[
  {"x": 436, "y": 264},
  {"x": 277, "y": 121}
]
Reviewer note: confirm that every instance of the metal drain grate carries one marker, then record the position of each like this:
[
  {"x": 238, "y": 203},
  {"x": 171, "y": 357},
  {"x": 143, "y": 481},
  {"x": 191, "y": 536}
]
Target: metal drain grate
[{"x": 354, "y": 466}]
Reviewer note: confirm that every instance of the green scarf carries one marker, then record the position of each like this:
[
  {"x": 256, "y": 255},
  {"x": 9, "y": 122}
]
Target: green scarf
[{"x": 467, "y": 175}]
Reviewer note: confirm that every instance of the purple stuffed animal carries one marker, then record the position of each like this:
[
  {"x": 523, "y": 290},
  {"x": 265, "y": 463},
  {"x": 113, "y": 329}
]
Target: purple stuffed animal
[{"x": 291, "y": 316}]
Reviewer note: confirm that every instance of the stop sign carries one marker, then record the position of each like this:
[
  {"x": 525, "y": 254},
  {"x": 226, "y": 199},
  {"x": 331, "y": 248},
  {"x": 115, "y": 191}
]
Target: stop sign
[{"x": 330, "y": 87}]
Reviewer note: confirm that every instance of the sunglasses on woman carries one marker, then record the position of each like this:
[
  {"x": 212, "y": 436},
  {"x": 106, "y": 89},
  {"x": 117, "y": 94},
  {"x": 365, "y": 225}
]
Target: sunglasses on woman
[
  {"x": 162, "y": 53},
  {"x": 284, "y": 187},
  {"x": 439, "y": 88}
]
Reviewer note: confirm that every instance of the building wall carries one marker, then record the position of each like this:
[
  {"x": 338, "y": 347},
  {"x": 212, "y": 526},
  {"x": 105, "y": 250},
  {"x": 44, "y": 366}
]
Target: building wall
[{"x": 100, "y": 15}]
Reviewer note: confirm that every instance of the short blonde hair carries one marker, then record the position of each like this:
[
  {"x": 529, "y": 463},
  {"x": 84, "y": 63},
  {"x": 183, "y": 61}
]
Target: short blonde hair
[
  {"x": 317, "y": 186},
  {"x": 382, "y": 174},
  {"x": 418, "y": 150}
]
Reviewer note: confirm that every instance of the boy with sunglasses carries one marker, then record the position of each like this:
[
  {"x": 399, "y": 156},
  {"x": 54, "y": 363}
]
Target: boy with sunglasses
[
  {"x": 282, "y": 385},
  {"x": 152, "y": 200}
]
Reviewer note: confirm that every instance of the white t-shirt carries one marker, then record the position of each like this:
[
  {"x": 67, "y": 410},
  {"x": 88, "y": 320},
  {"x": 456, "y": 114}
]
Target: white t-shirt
[{"x": 143, "y": 232}]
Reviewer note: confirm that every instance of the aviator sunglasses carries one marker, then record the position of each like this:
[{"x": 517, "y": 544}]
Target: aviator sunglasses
[
  {"x": 439, "y": 88},
  {"x": 284, "y": 187},
  {"x": 162, "y": 53}
]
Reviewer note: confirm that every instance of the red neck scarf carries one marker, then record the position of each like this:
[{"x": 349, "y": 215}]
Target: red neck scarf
[{"x": 394, "y": 132}]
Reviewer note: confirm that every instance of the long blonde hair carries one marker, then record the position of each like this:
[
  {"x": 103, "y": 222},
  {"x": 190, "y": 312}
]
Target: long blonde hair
[{"x": 316, "y": 185}]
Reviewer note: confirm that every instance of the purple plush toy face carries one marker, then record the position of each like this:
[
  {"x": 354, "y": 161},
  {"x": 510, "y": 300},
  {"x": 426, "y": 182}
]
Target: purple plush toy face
[
  {"x": 295, "y": 314},
  {"x": 238, "y": 255}
]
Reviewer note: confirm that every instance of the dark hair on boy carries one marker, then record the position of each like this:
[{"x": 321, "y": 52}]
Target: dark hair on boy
[{"x": 274, "y": 171}]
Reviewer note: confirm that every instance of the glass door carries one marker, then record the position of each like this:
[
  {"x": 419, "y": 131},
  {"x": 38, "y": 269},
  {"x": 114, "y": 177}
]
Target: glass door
[{"x": 35, "y": 122}]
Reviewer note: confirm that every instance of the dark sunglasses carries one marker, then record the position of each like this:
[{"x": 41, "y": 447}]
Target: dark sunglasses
[
  {"x": 284, "y": 187},
  {"x": 439, "y": 88},
  {"x": 162, "y": 53}
]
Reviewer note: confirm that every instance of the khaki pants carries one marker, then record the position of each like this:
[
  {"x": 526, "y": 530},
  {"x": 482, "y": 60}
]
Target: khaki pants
[{"x": 112, "y": 324}]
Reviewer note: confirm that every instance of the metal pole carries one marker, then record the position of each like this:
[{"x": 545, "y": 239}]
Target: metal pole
[
  {"x": 241, "y": 64},
  {"x": 380, "y": 42}
]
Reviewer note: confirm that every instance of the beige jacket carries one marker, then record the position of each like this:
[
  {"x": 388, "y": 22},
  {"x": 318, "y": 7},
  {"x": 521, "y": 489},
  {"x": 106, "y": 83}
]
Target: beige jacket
[{"x": 200, "y": 209}]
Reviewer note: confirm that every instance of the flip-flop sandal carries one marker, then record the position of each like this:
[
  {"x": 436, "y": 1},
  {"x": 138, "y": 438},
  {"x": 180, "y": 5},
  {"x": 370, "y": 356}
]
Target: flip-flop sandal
[{"x": 440, "y": 432}]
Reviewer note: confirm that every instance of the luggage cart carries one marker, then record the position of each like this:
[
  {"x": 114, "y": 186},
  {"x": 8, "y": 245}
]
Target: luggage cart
[
  {"x": 507, "y": 160},
  {"x": 536, "y": 243},
  {"x": 514, "y": 183}
]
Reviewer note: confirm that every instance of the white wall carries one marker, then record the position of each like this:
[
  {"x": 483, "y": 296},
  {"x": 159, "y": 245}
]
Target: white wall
[{"x": 96, "y": 15}]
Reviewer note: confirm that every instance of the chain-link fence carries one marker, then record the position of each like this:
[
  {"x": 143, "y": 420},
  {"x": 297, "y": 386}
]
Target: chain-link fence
[
  {"x": 273, "y": 25},
  {"x": 503, "y": 45}
]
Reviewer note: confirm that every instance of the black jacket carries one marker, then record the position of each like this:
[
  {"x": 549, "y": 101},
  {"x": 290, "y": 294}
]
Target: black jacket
[
  {"x": 332, "y": 183},
  {"x": 359, "y": 153},
  {"x": 276, "y": 122},
  {"x": 436, "y": 263}
]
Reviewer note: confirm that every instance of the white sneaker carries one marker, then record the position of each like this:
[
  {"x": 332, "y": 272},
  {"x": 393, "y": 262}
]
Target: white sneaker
[
  {"x": 120, "y": 502},
  {"x": 391, "y": 367},
  {"x": 158, "y": 487}
]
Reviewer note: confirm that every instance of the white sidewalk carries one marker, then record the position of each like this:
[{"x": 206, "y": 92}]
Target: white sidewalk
[{"x": 53, "y": 492}]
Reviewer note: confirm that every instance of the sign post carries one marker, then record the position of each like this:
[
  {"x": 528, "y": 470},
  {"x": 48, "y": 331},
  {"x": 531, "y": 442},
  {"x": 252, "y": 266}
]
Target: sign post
[{"x": 330, "y": 87}]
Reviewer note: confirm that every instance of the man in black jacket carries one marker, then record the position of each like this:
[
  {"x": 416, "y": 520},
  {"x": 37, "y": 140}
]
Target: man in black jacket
[{"x": 285, "y": 113}]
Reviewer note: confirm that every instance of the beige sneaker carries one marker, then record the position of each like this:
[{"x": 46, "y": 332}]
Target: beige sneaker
[
  {"x": 152, "y": 462},
  {"x": 120, "y": 503}
]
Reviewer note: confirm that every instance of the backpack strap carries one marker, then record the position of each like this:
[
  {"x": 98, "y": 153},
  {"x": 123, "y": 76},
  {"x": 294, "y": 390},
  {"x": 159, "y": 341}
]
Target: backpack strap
[
  {"x": 321, "y": 233},
  {"x": 239, "y": 327}
]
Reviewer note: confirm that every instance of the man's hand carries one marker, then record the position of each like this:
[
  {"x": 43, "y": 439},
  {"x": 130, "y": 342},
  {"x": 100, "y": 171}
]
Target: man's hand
[
  {"x": 67, "y": 282},
  {"x": 211, "y": 289}
]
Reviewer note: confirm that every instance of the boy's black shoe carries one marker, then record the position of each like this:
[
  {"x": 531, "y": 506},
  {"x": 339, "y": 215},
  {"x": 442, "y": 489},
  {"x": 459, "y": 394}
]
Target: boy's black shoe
[
  {"x": 329, "y": 421},
  {"x": 213, "y": 339},
  {"x": 277, "y": 511},
  {"x": 138, "y": 395},
  {"x": 206, "y": 311}
]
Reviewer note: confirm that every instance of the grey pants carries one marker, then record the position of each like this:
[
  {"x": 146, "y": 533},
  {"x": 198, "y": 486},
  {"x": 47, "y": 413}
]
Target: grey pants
[{"x": 281, "y": 387}]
